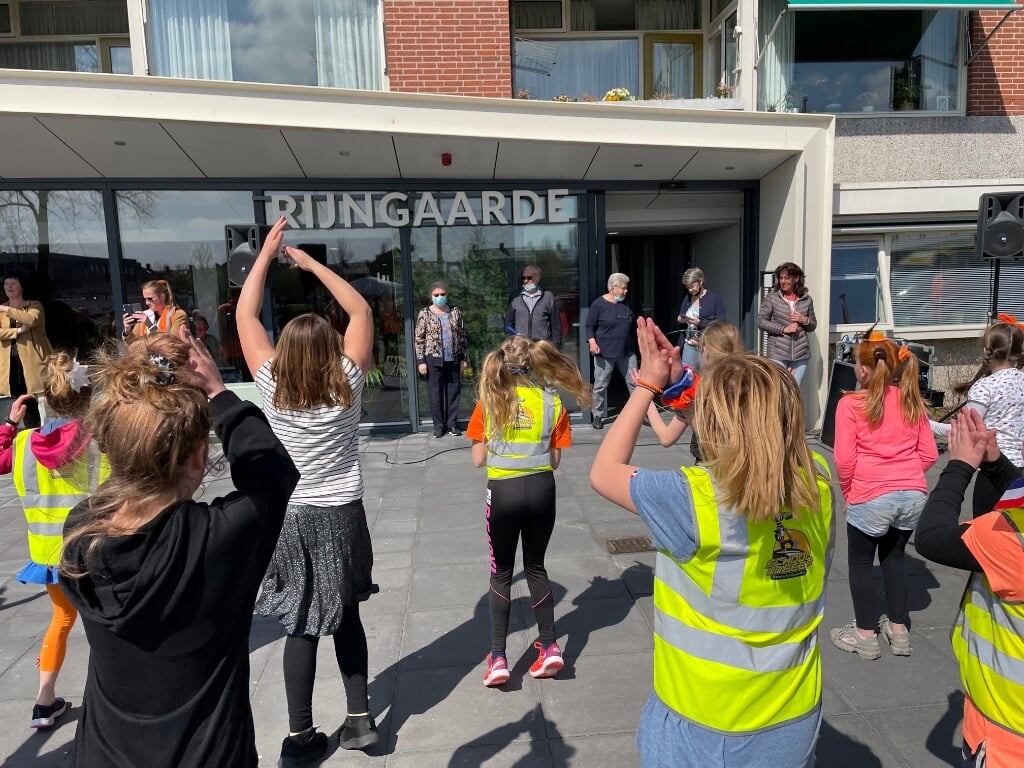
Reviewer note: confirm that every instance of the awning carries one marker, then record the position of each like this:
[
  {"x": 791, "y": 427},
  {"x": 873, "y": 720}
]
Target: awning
[{"x": 903, "y": 5}]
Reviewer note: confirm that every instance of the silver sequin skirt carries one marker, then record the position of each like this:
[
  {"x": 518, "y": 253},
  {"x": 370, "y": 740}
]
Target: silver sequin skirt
[{"x": 323, "y": 562}]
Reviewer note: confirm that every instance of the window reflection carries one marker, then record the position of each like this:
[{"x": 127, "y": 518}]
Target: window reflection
[
  {"x": 57, "y": 240},
  {"x": 583, "y": 70},
  {"x": 178, "y": 236},
  {"x": 854, "y": 289}
]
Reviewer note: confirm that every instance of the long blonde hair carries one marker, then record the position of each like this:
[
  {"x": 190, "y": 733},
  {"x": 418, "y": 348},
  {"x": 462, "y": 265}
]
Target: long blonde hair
[
  {"x": 719, "y": 339},
  {"x": 307, "y": 366},
  {"x": 889, "y": 364},
  {"x": 520, "y": 362},
  {"x": 750, "y": 419},
  {"x": 148, "y": 418}
]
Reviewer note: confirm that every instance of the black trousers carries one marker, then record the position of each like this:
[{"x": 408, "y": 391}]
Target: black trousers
[
  {"x": 861, "y": 549},
  {"x": 444, "y": 385},
  {"x": 520, "y": 507},
  {"x": 300, "y": 669}
]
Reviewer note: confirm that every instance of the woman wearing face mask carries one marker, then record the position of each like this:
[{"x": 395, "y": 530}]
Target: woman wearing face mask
[
  {"x": 441, "y": 357},
  {"x": 610, "y": 325}
]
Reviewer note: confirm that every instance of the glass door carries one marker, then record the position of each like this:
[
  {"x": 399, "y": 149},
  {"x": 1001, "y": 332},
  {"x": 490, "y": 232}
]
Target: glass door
[{"x": 673, "y": 66}]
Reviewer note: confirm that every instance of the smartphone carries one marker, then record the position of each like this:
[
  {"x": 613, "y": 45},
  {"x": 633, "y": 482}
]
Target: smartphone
[
  {"x": 281, "y": 258},
  {"x": 129, "y": 309}
]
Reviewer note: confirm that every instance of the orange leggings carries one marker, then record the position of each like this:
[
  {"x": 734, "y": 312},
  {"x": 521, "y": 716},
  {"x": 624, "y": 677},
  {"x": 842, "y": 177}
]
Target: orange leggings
[{"x": 55, "y": 642}]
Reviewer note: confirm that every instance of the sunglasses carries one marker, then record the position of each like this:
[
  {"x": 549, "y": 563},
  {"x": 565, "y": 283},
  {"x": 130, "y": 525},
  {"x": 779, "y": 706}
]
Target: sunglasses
[
  {"x": 529, "y": 277},
  {"x": 440, "y": 294}
]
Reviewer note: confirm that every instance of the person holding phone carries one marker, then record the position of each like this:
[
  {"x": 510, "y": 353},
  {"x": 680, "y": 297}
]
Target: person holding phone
[{"x": 160, "y": 315}]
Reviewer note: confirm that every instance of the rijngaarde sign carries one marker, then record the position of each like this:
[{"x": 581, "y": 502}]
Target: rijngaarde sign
[{"x": 345, "y": 210}]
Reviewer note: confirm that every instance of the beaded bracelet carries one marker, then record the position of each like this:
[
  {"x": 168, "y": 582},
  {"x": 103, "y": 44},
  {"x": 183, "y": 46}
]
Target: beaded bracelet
[{"x": 648, "y": 387}]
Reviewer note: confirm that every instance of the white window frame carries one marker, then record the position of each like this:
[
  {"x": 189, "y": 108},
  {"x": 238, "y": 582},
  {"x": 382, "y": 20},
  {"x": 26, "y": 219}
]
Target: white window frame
[
  {"x": 12, "y": 11},
  {"x": 881, "y": 281}
]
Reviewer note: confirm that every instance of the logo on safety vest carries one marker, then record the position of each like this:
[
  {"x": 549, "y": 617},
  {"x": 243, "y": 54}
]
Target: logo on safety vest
[
  {"x": 524, "y": 416},
  {"x": 792, "y": 554}
]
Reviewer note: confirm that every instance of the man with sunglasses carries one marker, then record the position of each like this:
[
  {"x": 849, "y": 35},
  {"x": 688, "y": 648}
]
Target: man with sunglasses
[{"x": 533, "y": 312}]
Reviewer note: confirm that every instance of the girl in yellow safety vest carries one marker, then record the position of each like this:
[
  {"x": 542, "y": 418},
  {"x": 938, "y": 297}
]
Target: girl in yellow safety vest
[
  {"x": 519, "y": 428},
  {"x": 53, "y": 470},
  {"x": 743, "y": 550}
]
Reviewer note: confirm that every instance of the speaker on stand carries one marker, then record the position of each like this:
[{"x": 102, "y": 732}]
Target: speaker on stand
[{"x": 1000, "y": 235}]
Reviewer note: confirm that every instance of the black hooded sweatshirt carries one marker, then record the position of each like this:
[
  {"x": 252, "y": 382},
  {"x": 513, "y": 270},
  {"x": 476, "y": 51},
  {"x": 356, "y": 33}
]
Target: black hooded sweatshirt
[{"x": 167, "y": 612}]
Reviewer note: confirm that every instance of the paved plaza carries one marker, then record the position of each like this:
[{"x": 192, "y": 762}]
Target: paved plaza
[{"x": 428, "y": 633}]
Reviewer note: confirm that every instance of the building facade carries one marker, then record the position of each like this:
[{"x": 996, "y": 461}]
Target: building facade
[{"x": 141, "y": 131}]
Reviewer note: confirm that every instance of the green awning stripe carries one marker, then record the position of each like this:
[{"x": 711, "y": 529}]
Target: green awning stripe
[{"x": 900, "y": 5}]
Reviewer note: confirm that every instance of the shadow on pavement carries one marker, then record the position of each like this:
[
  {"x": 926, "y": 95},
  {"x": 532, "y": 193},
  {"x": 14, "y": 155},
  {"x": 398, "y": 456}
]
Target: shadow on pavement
[
  {"x": 30, "y": 753},
  {"x": 481, "y": 749},
  {"x": 944, "y": 739},
  {"x": 837, "y": 750}
]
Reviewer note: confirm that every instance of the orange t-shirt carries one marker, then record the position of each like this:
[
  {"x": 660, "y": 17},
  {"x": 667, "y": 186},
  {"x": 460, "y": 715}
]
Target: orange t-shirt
[
  {"x": 996, "y": 546},
  {"x": 561, "y": 437}
]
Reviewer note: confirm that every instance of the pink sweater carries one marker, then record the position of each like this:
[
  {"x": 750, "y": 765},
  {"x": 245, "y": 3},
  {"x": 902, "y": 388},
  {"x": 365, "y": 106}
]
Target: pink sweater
[{"x": 891, "y": 457}]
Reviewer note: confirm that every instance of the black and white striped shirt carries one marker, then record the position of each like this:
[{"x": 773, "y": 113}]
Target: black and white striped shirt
[{"x": 323, "y": 442}]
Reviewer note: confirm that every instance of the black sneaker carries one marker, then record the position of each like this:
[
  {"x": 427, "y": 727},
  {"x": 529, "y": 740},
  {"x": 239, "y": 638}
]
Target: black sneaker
[
  {"x": 44, "y": 717},
  {"x": 439, "y": 432},
  {"x": 597, "y": 423},
  {"x": 308, "y": 748},
  {"x": 455, "y": 431},
  {"x": 358, "y": 732}
]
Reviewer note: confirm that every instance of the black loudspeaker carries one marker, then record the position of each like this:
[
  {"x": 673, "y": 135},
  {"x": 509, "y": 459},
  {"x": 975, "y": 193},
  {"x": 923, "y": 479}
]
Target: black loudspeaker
[
  {"x": 1001, "y": 226},
  {"x": 843, "y": 379},
  {"x": 241, "y": 243}
]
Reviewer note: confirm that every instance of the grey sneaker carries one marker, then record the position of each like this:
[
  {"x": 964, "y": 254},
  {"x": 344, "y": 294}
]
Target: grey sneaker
[
  {"x": 850, "y": 640},
  {"x": 899, "y": 642}
]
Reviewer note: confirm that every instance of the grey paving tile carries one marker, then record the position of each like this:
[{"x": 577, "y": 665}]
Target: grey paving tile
[
  {"x": 923, "y": 737},
  {"x": 23, "y": 747},
  {"x": 446, "y": 586},
  {"x": 454, "y": 636},
  {"x": 453, "y": 546},
  {"x": 534, "y": 754},
  {"x": 850, "y": 741},
  {"x": 597, "y": 751}
]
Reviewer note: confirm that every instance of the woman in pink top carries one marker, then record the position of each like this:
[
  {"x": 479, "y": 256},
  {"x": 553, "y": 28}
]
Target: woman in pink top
[{"x": 883, "y": 447}]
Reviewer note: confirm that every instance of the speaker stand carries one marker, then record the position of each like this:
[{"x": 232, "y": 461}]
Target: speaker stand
[{"x": 993, "y": 310}]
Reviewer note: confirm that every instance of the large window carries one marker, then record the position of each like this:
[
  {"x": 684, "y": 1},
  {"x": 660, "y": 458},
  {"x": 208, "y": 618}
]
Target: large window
[
  {"x": 56, "y": 239},
  {"x": 179, "y": 237},
  {"x": 938, "y": 279},
  {"x": 582, "y": 69},
  {"x": 859, "y": 61},
  {"x": 330, "y": 43},
  {"x": 65, "y": 36}
]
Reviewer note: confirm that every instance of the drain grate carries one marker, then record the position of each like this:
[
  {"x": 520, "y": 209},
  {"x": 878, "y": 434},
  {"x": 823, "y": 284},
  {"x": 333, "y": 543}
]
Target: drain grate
[{"x": 627, "y": 544}]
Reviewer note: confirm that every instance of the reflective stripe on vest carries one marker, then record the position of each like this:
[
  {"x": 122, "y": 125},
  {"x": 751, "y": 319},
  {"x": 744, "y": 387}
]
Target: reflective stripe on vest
[
  {"x": 988, "y": 641},
  {"x": 48, "y": 495},
  {"x": 531, "y": 452},
  {"x": 741, "y": 616}
]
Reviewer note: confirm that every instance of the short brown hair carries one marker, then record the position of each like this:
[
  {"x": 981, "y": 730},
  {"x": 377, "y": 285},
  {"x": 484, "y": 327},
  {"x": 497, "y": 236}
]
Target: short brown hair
[{"x": 307, "y": 366}]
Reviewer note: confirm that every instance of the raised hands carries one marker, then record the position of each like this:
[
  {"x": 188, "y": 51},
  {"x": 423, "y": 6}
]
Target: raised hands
[
  {"x": 19, "y": 407},
  {"x": 272, "y": 243},
  {"x": 205, "y": 373},
  {"x": 660, "y": 363},
  {"x": 970, "y": 441}
]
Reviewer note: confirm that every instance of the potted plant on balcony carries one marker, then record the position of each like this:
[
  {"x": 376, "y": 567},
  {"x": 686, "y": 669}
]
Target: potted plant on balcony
[{"x": 906, "y": 91}]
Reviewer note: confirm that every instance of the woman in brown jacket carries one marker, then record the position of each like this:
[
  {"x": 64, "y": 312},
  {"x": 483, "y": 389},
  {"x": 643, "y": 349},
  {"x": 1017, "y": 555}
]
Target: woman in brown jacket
[
  {"x": 160, "y": 315},
  {"x": 25, "y": 346}
]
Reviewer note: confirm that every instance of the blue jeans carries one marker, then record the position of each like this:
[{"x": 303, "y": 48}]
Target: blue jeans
[
  {"x": 692, "y": 356},
  {"x": 897, "y": 509},
  {"x": 798, "y": 367},
  {"x": 603, "y": 369}
]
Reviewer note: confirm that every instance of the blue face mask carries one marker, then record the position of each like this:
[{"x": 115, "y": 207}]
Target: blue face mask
[
  {"x": 530, "y": 287},
  {"x": 439, "y": 301},
  {"x": 620, "y": 297}
]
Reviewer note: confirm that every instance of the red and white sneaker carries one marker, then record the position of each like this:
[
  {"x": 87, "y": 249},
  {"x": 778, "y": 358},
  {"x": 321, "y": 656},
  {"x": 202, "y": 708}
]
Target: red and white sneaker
[
  {"x": 548, "y": 661},
  {"x": 497, "y": 671}
]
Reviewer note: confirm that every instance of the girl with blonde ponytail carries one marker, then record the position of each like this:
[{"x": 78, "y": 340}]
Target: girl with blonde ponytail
[
  {"x": 883, "y": 447},
  {"x": 519, "y": 428}
]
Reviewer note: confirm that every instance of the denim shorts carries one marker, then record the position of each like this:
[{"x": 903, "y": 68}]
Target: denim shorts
[{"x": 899, "y": 509}]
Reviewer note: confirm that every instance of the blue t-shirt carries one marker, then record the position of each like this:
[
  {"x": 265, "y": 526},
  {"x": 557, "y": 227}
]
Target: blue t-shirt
[{"x": 665, "y": 503}]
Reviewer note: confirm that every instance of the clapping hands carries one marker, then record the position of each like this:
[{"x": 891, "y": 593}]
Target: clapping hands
[{"x": 970, "y": 441}]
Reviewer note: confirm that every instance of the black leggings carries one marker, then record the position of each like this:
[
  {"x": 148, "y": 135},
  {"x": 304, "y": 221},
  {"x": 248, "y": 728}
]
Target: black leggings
[
  {"x": 520, "y": 507},
  {"x": 300, "y": 669},
  {"x": 861, "y": 553}
]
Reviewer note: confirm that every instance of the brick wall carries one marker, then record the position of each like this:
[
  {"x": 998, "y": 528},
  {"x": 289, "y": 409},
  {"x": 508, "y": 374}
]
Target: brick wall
[
  {"x": 995, "y": 79},
  {"x": 458, "y": 47}
]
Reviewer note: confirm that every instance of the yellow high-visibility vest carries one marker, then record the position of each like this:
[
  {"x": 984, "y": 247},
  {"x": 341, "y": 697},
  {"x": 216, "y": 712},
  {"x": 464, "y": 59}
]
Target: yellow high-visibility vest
[
  {"x": 48, "y": 495},
  {"x": 988, "y": 641},
  {"x": 735, "y": 634},
  {"x": 525, "y": 447}
]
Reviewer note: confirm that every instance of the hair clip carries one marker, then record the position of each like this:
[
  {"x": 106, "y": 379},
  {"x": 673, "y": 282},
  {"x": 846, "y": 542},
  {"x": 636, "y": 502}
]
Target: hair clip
[
  {"x": 167, "y": 368},
  {"x": 902, "y": 354},
  {"x": 516, "y": 371},
  {"x": 78, "y": 377}
]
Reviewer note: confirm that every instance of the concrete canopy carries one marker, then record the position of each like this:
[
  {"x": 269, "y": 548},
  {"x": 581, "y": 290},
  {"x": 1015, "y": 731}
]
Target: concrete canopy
[{"x": 72, "y": 127}]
